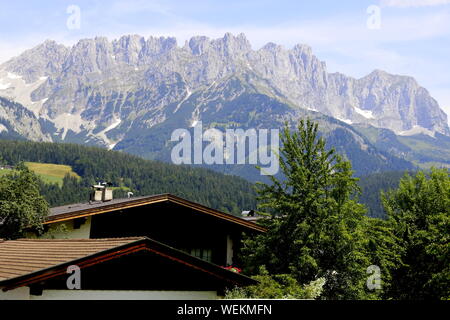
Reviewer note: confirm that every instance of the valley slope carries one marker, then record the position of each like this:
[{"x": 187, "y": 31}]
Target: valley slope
[{"x": 131, "y": 93}]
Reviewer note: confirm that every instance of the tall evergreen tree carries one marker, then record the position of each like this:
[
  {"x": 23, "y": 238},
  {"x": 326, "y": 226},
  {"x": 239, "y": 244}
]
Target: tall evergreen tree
[{"x": 315, "y": 229}]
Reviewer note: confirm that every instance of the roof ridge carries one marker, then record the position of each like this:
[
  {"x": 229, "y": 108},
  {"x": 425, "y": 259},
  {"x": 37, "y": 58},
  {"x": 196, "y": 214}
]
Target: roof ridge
[
  {"x": 76, "y": 240},
  {"x": 110, "y": 206},
  {"x": 112, "y": 201}
]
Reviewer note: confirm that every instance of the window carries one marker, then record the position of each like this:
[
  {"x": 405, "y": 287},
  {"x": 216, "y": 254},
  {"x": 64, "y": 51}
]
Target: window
[
  {"x": 204, "y": 254},
  {"x": 197, "y": 253}
]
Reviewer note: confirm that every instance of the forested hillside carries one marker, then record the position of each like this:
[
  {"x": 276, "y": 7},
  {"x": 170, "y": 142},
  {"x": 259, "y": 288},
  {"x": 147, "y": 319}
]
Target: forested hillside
[
  {"x": 371, "y": 187},
  {"x": 129, "y": 173},
  {"x": 143, "y": 177}
]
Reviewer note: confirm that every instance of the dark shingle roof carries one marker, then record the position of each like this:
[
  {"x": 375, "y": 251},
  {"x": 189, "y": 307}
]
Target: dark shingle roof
[
  {"x": 97, "y": 204},
  {"x": 86, "y": 209}
]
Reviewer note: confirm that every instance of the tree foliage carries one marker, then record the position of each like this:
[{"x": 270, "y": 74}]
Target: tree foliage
[
  {"x": 315, "y": 229},
  {"x": 383, "y": 249},
  {"x": 419, "y": 212},
  {"x": 130, "y": 173},
  {"x": 22, "y": 207},
  {"x": 281, "y": 286}
]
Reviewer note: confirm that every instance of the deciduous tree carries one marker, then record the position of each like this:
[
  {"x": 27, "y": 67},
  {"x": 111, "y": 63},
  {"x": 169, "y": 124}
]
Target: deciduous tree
[
  {"x": 21, "y": 206},
  {"x": 419, "y": 212}
]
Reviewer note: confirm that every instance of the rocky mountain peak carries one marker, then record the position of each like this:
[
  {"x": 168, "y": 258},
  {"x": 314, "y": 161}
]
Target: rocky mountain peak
[
  {"x": 237, "y": 43},
  {"x": 229, "y": 46},
  {"x": 272, "y": 47},
  {"x": 302, "y": 49},
  {"x": 90, "y": 80},
  {"x": 89, "y": 55},
  {"x": 41, "y": 61},
  {"x": 198, "y": 45},
  {"x": 128, "y": 49}
]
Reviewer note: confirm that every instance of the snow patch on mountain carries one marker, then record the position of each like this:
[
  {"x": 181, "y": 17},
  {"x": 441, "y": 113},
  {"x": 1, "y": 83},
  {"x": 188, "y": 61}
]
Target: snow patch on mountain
[
  {"x": 102, "y": 134},
  {"x": 365, "y": 113},
  {"x": 18, "y": 90},
  {"x": 13, "y": 76},
  {"x": 188, "y": 94},
  {"x": 3, "y": 85},
  {"x": 416, "y": 130},
  {"x": 348, "y": 121}
]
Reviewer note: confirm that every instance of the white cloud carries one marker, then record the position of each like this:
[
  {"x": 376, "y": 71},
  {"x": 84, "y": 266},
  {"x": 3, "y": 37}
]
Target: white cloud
[{"x": 413, "y": 3}]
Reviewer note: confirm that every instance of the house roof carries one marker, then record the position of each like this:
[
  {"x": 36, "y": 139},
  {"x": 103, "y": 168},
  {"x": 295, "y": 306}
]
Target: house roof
[
  {"x": 68, "y": 212},
  {"x": 27, "y": 261},
  {"x": 21, "y": 257}
]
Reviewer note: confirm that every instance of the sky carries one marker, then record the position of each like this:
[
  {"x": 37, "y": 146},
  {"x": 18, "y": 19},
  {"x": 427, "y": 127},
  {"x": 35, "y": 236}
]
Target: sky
[{"x": 354, "y": 37}]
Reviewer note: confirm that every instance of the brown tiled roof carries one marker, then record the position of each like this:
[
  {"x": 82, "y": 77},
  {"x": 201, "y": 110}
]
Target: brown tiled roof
[
  {"x": 24, "y": 256},
  {"x": 78, "y": 210},
  {"x": 27, "y": 261}
]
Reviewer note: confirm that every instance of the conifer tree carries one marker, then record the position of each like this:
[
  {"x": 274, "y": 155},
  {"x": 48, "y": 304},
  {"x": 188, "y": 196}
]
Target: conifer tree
[{"x": 314, "y": 230}]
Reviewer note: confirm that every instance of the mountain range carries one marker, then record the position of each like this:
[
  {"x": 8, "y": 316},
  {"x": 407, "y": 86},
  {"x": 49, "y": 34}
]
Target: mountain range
[{"x": 131, "y": 93}]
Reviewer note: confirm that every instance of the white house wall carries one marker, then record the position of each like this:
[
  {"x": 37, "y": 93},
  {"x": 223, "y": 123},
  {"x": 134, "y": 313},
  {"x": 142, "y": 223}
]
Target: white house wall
[
  {"x": 65, "y": 230},
  {"x": 23, "y": 293}
]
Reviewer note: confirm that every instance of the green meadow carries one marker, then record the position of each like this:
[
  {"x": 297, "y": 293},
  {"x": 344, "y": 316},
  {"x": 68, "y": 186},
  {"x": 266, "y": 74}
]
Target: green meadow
[{"x": 51, "y": 173}]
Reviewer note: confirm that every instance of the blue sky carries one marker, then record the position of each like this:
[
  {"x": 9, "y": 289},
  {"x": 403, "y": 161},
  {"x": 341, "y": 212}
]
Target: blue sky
[{"x": 410, "y": 37}]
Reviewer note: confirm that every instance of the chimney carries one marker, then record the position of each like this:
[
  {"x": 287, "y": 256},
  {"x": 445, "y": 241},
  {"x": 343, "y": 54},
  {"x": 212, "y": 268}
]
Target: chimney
[
  {"x": 100, "y": 192},
  {"x": 251, "y": 215},
  {"x": 248, "y": 213}
]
